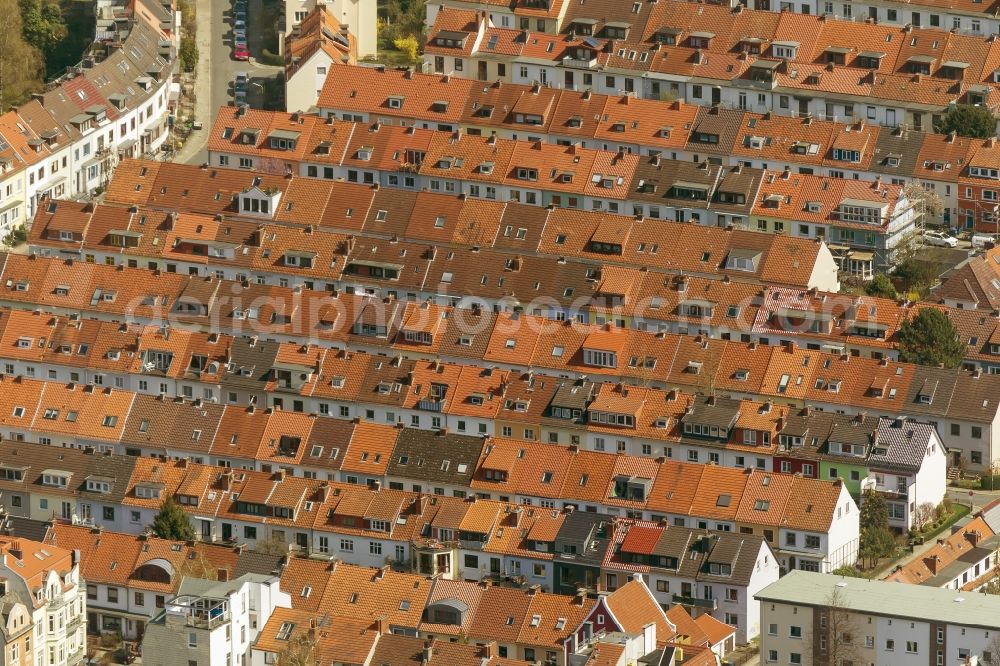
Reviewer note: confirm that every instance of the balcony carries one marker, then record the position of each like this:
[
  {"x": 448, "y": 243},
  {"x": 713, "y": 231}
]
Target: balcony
[
  {"x": 199, "y": 612},
  {"x": 580, "y": 63},
  {"x": 710, "y": 605},
  {"x": 432, "y": 404}
]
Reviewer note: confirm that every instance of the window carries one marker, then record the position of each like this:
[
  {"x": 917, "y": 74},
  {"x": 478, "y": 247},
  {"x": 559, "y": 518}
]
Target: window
[
  {"x": 795, "y": 632},
  {"x": 912, "y": 647}
]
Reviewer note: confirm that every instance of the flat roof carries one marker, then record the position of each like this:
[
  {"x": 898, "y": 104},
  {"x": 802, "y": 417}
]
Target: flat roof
[{"x": 877, "y": 597}]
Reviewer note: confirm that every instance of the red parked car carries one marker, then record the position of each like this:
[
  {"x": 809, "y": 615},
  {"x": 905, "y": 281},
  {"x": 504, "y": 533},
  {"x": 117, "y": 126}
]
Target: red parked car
[{"x": 241, "y": 53}]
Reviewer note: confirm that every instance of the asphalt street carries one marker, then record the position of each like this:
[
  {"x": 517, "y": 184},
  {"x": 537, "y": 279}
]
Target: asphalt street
[{"x": 217, "y": 69}]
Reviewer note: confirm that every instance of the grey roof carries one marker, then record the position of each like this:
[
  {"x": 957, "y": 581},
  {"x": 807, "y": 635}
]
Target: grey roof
[
  {"x": 421, "y": 455},
  {"x": 589, "y": 533},
  {"x": 852, "y": 430},
  {"x": 573, "y": 394},
  {"x": 25, "y": 528},
  {"x": 991, "y": 514},
  {"x": 902, "y": 144},
  {"x": 901, "y": 443},
  {"x": 117, "y": 469},
  {"x": 252, "y": 562},
  {"x": 885, "y": 599},
  {"x": 713, "y": 411},
  {"x": 255, "y": 358}
]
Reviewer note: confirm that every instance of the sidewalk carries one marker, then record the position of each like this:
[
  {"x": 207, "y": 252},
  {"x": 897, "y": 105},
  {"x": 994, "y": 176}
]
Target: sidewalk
[{"x": 203, "y": 85}]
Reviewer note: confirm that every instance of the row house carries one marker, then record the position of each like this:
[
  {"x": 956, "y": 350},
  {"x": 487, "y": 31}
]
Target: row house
[
  {"x": 496, "y": 528},
  {"x": 70, "y": 137},
  {"x": 857, "y": 217},
  {"x": 45, "y": 605},
  {"x": 130, "y": 578},
  {"x": 854, "y": 70},
  {"x": 964, "y": 560},
  {"x": 796, "y": 376},
  {"x": 716, "y": 574},
  {"x": 851, "y": 146}
]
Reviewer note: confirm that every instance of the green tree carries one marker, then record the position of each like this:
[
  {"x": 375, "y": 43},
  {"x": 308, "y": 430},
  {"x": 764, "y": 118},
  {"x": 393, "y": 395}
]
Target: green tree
[
  {"x": 881, "y": 286},
  {"x": 42, "y": 23},
  {"x": 977, "y": 122},
  {"x": 877, "y": 540},
  {"x": 188, "y": 53},
  {"x": 21, "y": 65},
  {"x": 847, "y": 571},
  {"x": 407, "y": 45},
  {"x": 172, "y": 522},
  {"x": 929, "y": 338}
]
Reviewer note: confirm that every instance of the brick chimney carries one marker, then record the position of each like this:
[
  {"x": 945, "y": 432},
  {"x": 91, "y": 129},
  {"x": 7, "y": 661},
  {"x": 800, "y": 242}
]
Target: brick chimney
[{"x": 933, "y": 562}]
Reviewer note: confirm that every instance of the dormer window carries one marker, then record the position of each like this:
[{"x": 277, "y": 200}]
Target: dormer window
[
  {"x": 55, "y": 480},
  {"x": 524, "y": 173},
  {"x": 395, "y": 102},
  {"x": 439, "y": 106},
  {"x": 97, "y": 486}
]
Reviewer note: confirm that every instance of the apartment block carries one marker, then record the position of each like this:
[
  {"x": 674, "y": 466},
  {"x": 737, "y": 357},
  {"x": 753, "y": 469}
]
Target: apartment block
[{"x": 809, "y": 618}]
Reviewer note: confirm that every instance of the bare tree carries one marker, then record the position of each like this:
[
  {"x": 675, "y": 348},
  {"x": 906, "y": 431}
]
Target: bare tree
[
  {"x": 196, "y": 565},
  {"x": 301, "y": 651},
  {"x": 924, "y": 514},
  {"x": 925, "y": 202},
  {"x": 838, "y": 636}
]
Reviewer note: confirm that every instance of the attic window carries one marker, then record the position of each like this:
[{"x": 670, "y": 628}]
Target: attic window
[{"x": 724, "y": 500}]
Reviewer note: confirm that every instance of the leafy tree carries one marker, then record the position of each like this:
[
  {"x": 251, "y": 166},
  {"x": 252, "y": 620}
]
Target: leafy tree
[
  {"x": 977, "y": 122},
  {"x": 881, "y": 286},
  {"x": 42, "y": 23},
  {"x": 877, "y": 540},
  {"x": 847, "y": 571},
  {"x": 188, "y": 53},
  {"x": 21, "y": 65},
  {"x": 172, "y": 522},
  {"x": 408, "y": 45},
  {"x": 929, "y": 338}
]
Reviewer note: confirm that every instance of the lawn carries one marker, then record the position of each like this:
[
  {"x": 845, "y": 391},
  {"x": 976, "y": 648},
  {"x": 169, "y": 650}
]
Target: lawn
[{"x": 931, "y": 530}]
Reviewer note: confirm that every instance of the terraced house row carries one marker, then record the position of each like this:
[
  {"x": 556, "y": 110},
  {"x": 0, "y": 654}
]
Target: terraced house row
[
  {"x": 968, "y": 17},
  {"x": 961, "y": 403},
  {"x": 956, "y": 169},
  {"x": 869, "y": 217},
  {"x": 570, "y": 549},
  {"x": 380, "y": 615},
  {"x": 466, "y": 252},
  {"x": 708, "y": 54},
  {"x": 67, "y": 140}
]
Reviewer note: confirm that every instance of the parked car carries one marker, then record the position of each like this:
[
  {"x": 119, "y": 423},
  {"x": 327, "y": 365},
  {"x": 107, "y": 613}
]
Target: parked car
[
  {"x": 240, "y": 15},
  {"x": 240, "y": 41},
  {"x": 940, "y": 239},
  {"x": 240, "y": 83},
  {"x": 239, "y": 24},
  {"x": 241, "y": 53},
  {"x": 240, "y": 97}
]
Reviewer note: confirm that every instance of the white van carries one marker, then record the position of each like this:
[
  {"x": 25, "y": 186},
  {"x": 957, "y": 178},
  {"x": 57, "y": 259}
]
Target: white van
[{"x": 980, "y": 241}]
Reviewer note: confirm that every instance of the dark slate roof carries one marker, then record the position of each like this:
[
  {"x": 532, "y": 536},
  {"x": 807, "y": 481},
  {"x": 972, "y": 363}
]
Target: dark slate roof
[
  {"x": 713, "y": 411},
  {"x": 852, "y": 430},
  {"x": 901, "y": 444},
  {"x": 25, "y": 528},
  {"x": 255, "y": 358},
  {"x": 424, "y": 453},
  {"x": 118, "y": 469},
  {"x": 590, "y": 533},
  {"x": 695, "y": 548},
  {"x": 573, "y": 394},
  {"x": 250, "y": 561}
]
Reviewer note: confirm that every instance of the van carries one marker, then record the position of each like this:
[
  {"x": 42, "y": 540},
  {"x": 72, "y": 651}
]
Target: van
[{"x": 982, "y": 241}]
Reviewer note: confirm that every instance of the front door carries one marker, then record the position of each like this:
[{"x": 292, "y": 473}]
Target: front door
[
  {"x": 206, "y": 530},
  {"x": 481, "y": 67},
  {"x": 227, "y": 532},
  {"x": 716, "y": 96}
]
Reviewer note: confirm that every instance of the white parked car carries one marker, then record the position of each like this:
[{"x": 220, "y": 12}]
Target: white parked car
[{"x": 940, "y": 239}]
